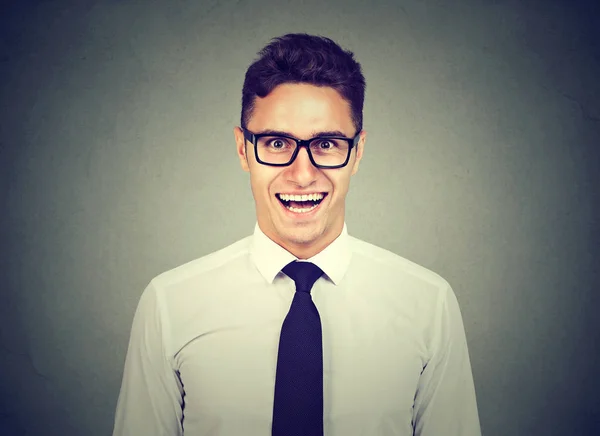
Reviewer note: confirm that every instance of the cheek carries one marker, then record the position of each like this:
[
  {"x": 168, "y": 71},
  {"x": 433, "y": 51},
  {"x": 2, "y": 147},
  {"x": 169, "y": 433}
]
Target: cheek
[
  {"x": 261, "y": 183},
  {"x": 341, "y": 187}
]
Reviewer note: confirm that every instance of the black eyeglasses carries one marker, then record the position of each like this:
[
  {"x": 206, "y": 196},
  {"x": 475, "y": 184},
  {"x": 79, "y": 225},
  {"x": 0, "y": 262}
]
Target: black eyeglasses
[{"x": 279, "y": 149}]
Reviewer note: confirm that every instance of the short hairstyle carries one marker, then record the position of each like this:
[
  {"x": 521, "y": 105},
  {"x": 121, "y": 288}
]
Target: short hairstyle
[{"x": 303, "y": 58}]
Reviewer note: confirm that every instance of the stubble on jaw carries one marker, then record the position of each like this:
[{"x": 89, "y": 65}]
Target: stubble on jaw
[{"x": 297, "y": 238}]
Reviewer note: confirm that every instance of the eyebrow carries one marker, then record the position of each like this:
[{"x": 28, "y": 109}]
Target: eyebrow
[{"x": 314, "y": 134}]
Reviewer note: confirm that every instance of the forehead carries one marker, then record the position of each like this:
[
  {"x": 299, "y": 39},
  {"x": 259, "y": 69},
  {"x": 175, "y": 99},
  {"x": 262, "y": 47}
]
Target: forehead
[{"x": 301, "y": 109}]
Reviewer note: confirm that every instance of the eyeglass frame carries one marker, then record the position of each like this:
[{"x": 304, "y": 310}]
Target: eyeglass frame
[{"x": 254, "y": 137}]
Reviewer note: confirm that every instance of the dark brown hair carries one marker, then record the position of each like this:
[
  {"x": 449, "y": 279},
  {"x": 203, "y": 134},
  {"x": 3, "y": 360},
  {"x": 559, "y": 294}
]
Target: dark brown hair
[{"x": 303, "y": 58}]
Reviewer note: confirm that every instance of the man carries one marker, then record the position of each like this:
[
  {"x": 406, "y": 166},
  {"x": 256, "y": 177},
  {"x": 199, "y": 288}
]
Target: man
[{"x": 299, "y": 329}]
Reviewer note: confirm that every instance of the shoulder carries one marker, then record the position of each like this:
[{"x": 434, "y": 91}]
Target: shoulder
[
  {"x": 206, "y": 265},
  {"x": 386, "y": 264}
]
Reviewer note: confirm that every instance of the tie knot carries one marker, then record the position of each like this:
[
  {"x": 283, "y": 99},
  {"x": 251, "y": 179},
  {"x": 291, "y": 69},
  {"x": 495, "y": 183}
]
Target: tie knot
[{"x": 305, "y": 274}]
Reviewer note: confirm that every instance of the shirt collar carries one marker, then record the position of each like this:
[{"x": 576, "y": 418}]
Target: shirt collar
[{"x": 270, "y": 258}]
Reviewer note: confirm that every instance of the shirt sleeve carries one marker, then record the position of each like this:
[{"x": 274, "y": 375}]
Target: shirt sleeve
[
  {"x": 445, "y": 401},
  {"x": 151, "y": 396}
]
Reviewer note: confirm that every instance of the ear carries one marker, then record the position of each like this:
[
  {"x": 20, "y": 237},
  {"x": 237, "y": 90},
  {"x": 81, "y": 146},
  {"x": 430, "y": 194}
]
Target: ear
[
  {"x": 240, "y": 145},
  {"x": 359, "y": 151}
]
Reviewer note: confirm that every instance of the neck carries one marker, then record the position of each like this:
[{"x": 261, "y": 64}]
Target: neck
[
  {"x": 306, "y": 252},
  {"x": 309, "y": 249}
]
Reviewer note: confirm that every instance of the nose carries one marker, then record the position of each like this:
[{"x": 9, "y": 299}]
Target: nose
[{"x": 302, "y": 170}]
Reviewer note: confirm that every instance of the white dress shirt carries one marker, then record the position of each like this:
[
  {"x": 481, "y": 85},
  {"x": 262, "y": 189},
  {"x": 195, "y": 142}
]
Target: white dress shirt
[{"x": 202, "y": 354}]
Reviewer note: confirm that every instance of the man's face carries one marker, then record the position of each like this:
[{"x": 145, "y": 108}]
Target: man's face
[{"x": 302, "y": 111}]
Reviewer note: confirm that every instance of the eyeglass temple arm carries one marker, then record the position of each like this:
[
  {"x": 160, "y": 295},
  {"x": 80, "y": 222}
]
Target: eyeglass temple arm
[{"x": 248, "y": 136}]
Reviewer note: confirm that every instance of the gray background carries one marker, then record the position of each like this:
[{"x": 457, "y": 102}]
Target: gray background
[{"x": 118, "y": 163}]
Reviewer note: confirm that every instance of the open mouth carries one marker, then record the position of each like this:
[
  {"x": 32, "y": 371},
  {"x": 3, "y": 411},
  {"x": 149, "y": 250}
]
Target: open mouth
[{"x": 301, "y": 203}]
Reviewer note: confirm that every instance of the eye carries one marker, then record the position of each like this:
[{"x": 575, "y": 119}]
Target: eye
[
  {"x": 326, "y": 144},
  {"x": 277, "y": 143}
]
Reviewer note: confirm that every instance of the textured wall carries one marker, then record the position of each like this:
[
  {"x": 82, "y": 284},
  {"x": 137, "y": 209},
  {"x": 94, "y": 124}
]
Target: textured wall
[{"x": 118, "y": 162}]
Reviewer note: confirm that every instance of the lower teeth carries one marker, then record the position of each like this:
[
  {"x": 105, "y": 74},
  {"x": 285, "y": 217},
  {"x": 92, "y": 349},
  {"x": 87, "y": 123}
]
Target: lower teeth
[{"x": 293, "y": 209}]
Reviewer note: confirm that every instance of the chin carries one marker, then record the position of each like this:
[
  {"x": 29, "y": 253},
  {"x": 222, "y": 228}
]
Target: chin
[{"x": 301, "y": 235}]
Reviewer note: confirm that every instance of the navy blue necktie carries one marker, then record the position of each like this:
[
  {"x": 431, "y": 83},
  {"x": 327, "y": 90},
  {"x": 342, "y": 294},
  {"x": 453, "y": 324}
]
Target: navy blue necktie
[{"x": 298, "y": 402}]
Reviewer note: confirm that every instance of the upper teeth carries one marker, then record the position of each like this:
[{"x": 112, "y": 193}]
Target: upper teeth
[{"x": 308, "y": 197}]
